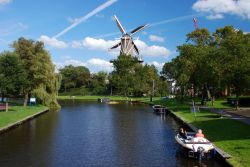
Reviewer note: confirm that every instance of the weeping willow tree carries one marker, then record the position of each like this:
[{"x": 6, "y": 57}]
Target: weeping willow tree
[
  {"x": 42, "y": 83},
  {"x": 47, "y": 93}
]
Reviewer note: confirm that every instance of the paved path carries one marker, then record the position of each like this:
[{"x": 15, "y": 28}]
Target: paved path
[{"x": 230, "y": 115}]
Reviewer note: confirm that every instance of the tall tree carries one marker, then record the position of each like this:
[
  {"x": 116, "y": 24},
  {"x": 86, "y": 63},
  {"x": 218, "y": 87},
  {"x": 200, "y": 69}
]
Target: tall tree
[
  {"x": 74, "y": 77},
  {"x": 42, "y": 80},
  {"x": 12, "y": 74},
  {"x": 99, "y": 83},
  {"x": 234, "y": 48},
  {"x": 122, "y": 76}
]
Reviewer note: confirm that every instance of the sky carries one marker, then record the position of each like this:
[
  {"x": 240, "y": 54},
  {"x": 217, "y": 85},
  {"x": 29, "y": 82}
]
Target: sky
[{"x": 80, "y": 32}]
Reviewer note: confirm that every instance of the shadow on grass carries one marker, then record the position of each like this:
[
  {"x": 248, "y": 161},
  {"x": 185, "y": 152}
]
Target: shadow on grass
[
  {"x": 223, "y": 129},
  {"x": 210, "y": 116}
]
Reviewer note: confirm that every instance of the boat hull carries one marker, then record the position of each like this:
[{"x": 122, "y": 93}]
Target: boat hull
[{"x": 195, "y": 144}]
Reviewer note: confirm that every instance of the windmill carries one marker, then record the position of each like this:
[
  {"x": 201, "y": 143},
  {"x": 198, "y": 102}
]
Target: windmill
[{"x": 127, "y": 44}]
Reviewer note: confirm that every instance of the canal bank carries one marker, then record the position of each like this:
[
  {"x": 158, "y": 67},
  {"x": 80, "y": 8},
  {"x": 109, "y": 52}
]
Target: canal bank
[
  {"x": 230, "y": 135},
  {"x": 18, "y": 115}
]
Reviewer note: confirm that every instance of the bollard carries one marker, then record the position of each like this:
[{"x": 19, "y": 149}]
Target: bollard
[{"x": 6, "y": 106}]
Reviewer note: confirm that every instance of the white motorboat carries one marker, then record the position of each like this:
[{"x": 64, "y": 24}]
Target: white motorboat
[{"x": 197, "y": 146}]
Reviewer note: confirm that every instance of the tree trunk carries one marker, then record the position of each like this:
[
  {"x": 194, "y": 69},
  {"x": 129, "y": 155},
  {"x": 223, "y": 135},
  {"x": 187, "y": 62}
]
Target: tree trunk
[
  {"x": 26, "y": 98},
  {"x": 237, "y": 101}
]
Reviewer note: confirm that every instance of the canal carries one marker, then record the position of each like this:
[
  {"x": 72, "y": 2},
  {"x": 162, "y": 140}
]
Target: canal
[{"x": 94, "y": 134}]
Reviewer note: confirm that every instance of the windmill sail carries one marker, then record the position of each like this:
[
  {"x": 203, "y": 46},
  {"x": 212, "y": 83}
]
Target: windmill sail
[
  {"x": 127, "y": 44},
  {"x": 136, "y": 49},
  {"x": 119, "y": 25},
  {"x": 115, "y": 46},
  {"x": 138, "y": 29}
]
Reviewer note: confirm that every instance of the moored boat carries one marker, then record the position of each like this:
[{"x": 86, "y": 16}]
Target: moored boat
[
  {"x": 198, "y": 147},
  {"x": 104, "y": 100},
  {"x": 159, "y": 109}
]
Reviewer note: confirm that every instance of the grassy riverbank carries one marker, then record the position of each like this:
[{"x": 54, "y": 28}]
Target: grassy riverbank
[
  {"x": 230, "y": 135},
  {"x": 118, "y": 98},
  {"x": 17, "y": 113}
]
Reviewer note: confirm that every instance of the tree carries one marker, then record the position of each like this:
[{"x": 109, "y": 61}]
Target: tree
[
  {"x": 12, "y": 74},
  {"x": 234, "y": 48},
  {"x": 132, "y": 78},
  {"x": 74, "y": 77},
  {"x": 122, "y": 76},
  {"x": 98, "y": 83},
  {"x": 209, "y": 63},
  {"x": 42, "y": 80}
]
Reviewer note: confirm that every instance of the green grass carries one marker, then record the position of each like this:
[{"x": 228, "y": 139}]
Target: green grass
[
  {"x": 94, "y": 98},
  {"x": 221, "y": 103},
  {"x": 17, "y": 113},
  {"x": 230, "y": 135}
]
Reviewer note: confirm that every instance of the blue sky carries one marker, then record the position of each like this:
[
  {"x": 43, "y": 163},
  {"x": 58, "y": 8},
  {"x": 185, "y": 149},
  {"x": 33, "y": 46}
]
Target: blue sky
[{"x": 88, "y": 42}]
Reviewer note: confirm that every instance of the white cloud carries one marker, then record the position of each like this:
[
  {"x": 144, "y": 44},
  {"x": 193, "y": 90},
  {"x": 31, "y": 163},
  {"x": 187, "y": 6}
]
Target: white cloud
[
  {"x": 105, "y": 45},
  {"x": 94, "y": 64},
  {"x": 100, "y": 64},
  {"x": 151, "y": 51},
  {"x": 53, "y": 42},
  {"x": 156, "y": 38},
  {"x": 98, "y": 44},
  {"x": 73, "y": 62},
  {"x": 216, "y": 8},
  {"x": 215, "y": 16},
  {"x": 4, "y": 2},
  {"x": 144, "y": 49},
  {"x": 157, "y": 65}
]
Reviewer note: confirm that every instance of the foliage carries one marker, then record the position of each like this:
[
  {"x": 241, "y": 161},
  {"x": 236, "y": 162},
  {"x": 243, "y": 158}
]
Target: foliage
[
  {"x": 28, "y": 71},
  {"x": 12, "y": 74},
  {"x": 74, "y": 77},
  {"x": 132, "y": 78},
  {"x": 99, "y": 83},
  {"x": 208, "y": 63}
]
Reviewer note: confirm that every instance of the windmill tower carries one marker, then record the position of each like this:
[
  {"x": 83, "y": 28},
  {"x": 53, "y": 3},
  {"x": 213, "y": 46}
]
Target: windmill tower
[{"x": 127, "y": 44}]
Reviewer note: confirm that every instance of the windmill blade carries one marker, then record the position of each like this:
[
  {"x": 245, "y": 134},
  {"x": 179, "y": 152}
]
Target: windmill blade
[
  {"x": 115, "y": 46},
  {"x": 119, "y": 25},
  {"x": 138, "y": 29},
  {"x": 135, "y": 48}
]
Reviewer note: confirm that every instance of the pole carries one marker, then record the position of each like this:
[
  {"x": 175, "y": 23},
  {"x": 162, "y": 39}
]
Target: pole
[{"x": 6, "y": 106}]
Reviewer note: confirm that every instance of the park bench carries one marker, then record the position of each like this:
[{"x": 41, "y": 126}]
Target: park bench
[{"x": 3, "y": 107}]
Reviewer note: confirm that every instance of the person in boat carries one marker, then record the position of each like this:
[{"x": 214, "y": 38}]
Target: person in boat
[
  {"x": 199, "y": 134},
  {"x": 183, "y": 133}
]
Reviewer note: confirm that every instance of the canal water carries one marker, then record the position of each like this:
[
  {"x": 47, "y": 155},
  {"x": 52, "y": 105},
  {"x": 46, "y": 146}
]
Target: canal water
[{"x": 94, "y": 135}]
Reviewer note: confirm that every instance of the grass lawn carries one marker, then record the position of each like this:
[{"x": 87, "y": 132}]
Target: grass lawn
[
  {"x": 94, "y": 98},
  {"x": 17, "y": 113},
  {"x": 230, "y": 135},
  {"x": 220, "y": 103}
]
